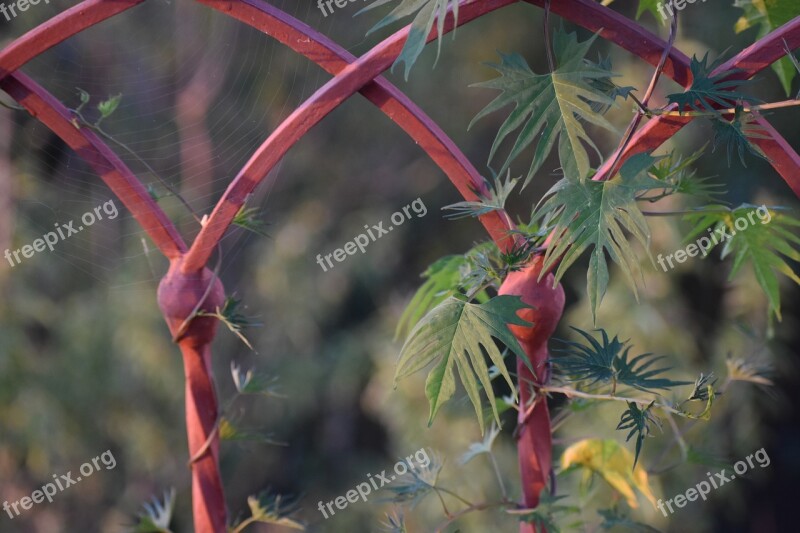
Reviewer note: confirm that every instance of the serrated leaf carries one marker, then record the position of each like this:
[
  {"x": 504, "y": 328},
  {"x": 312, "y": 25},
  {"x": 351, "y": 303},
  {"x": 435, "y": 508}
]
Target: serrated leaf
[
  {"x": 650, "y": 6},
  {"x": 613, "y": 518},
  {"x": 417, "y": 483},
  {"x": 157, "y": 515},
  {"x": 608, "y": 361},
  {"x": 591, "y": 213},
  {"x": 768, "y": 15},
  {"x": 427, "y": 12},
  {"x": 248, "y": 382},
  {"x": 551, "y": 106},
  {"x": 442, "y": 281},
  {"x": 272, "y": 509},
  {"x": 707, "y": 91},
  {"x": 735, "y": 135},
  {"x": 499, "y": 191},
  {"x": 679, "y": 177},
  {"x": 457, "y": 334},
  {"x": 107, "y": 107},
  {"x": 478, "y": 448},
  {"x": 748, "y": 371},
  {"x": 248, "y": 218},
  {"x": 613, "y": 463},
  {"x": 640, "y": 422},
  {"x": 768, "y": 237}
]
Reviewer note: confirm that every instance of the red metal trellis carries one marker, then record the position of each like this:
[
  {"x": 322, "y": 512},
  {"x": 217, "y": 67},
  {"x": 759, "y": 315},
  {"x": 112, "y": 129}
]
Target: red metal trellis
[{"x": 188, "y": 277}]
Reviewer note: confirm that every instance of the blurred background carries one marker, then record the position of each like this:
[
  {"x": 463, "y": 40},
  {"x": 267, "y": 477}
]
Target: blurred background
[{"x": 86, "y": 362}]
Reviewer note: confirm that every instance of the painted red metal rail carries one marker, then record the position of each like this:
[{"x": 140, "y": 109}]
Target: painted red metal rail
[{"x": 184, "y": 286}]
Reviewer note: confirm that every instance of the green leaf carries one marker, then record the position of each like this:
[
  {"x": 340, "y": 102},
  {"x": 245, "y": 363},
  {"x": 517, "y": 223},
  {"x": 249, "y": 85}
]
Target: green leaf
[
  {"x": 269, "y": 509},
  {"x": 550, "y": 106},
  {"x": 640, "y": 422},
  {"x": 248, "y": 382},
  {"x": 417, "y": 483},
  {"x": 736, "y": 135},
  {"x": 768, "y": 237},
  {"x": 768, "y": 15},
  {"x": 456, "y": 334},
  {"x": 478, "y": 448},
  {"x": 107, "y": 107},
  {"x": 614, "y": 519},
  {"x": 548, "y": 513},
  {"x": 442, "y": 281},
  {"x": 591, "y": 213},
  {"x": 679, "y": 178},
  {"x": 708, "y": 90},
  {"x": 156, "y": 516},
  {"x": 499, "y": 191},
  {"x": 247, "y": 218},
  {"x": 650, "y": 6},
  {"x": 427, "y": 12},
  {"x": 608, "y": 361}
]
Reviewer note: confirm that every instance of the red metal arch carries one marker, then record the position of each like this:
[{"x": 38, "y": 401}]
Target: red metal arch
[{"x": 351, "y": 75}]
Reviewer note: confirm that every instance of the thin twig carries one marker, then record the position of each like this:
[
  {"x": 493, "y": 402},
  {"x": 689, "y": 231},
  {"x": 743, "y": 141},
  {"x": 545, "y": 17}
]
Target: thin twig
[
  {"x": 573, "y": 393},
  {"x": 471, "y": 508},
  {"x": 551, "y": 62},
  {"x": 673, "y": 31},
  {"x": 730, "y": 111}
]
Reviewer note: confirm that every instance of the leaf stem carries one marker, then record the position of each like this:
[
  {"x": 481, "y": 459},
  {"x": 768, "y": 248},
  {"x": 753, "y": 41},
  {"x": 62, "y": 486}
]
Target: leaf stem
[
  {"x": 471, "y": 508},
  {"x": 643, "y": 104},
  {"x": 551, "y": 62},
  {"x": 574, "y": 393},
  {"x": 730, "y": 111}
]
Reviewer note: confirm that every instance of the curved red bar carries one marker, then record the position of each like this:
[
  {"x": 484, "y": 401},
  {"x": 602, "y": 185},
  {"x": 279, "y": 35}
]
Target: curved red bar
[{"x": 103, "y": 160}]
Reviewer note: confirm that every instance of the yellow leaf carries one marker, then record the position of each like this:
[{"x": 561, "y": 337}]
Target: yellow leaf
[{"x": 613, "y": 463}]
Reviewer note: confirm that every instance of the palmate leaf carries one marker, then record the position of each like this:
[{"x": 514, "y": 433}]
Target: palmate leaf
[
  {"x": 550, "y": 106},
  {"x": 608, "y": 361},
  {"x": 768, "y": 15},
  {"x": 640, "y": 421},
  {"x": 591, "y": 213},
  {"x": 499, "y": 191},
  {"x": 427, "y": 11},
  {"x": 736, "y": 135},
  {"x": 679, "y": 178},
  {"x": 768, "y": 237},
  {"x": 457, "y": 334},
  {"x": 157, "y": 515},
  {"x": 707, "y": 90},
  {"x": 614, "y": 520},
  {"x": 443, "y": 278},
  {"x": 273, "y": 509}
]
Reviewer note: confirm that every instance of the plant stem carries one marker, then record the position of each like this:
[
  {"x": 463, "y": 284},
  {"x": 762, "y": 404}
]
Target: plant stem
[
  {"x": 570, "y": 393},
  {"x": 730, "y": 111},
  {"x": 471, "y": 508},
  {"x": 643, "y": 104},
  {"x": 499, "y": 477},
  {"x": 551, "y": 62}
]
